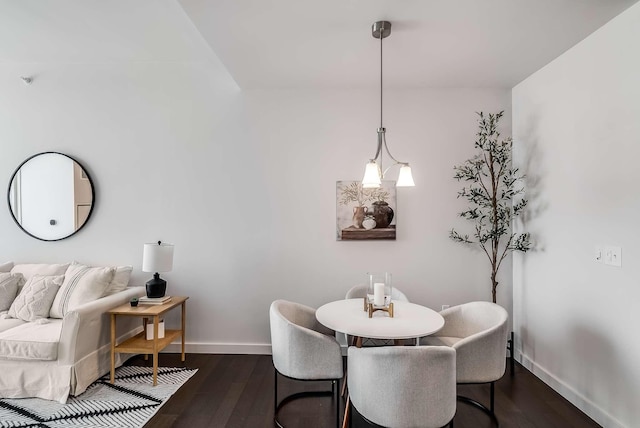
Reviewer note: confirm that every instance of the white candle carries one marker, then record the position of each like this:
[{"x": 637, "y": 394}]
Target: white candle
[{"x": 378, "y": 294}]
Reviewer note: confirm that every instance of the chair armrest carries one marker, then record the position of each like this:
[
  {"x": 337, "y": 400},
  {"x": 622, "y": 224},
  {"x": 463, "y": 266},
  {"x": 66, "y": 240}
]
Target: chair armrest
[
  {"x": 87, "y": 327},
  {"x": 452, "y": 322},
  {"x": 481, "y": 357},
  {"x": 306, "y": 317},
  {"x": 322, "y": 357}
]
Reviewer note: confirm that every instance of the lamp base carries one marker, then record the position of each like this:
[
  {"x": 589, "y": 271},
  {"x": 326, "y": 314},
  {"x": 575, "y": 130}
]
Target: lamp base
[{"x": 156, "y": 286}]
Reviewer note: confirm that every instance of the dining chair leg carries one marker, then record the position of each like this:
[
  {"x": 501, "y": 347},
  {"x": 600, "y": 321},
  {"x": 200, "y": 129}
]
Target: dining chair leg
[
  {"x": 275, "y": 390},
  {"x": 511, "y": 347},
  {"x": 488, "y": 410},
  {"x": 344, "y": 385},
  {"x": 337, "y": 403},
  {"x": 346, "y": 418},
  {"x": 492, "y": 399}
]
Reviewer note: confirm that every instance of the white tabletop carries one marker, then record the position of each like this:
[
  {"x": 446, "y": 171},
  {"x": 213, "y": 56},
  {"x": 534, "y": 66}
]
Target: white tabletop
[{"x": 409, "y": 320}]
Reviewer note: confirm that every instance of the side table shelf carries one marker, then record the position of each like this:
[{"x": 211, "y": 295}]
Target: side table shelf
[{"x": 139, "y": 343}]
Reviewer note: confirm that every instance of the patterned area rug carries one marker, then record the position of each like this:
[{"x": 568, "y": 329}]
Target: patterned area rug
[{"x": 130, "y": 402}]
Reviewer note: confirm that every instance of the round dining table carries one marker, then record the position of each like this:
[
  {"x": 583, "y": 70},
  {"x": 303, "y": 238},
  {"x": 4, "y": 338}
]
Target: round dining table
[
  {"x": 409, "y": 320},
  {"x": 348, "y": 316}
]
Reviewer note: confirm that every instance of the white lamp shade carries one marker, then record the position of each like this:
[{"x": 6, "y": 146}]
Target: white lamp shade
[
  {"x": 405, "y": 179},
  {"x": 371, "y": 176},
  {"x": 157, "y": 257}
]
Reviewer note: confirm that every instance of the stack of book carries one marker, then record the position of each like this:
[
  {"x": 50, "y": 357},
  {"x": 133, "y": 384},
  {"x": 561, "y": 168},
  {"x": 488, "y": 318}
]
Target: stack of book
[{"x": 153, "y": 300}]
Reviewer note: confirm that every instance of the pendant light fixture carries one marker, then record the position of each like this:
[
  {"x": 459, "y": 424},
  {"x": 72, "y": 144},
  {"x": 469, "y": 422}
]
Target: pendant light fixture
[{"x": 373, "y": 173}]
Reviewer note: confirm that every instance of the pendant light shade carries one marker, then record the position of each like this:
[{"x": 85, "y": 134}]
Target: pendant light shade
[
  {"x": 373, "y": 173},
  {"x": 371, "y": 176},
  {"x": 405, "y": 179}
]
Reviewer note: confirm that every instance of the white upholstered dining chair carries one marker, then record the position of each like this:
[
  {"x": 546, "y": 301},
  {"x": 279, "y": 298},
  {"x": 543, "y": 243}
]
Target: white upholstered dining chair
[
  {"x": 403, "y": 386},
  {"x": 478, "y": 332},
  {"x": 303, "y": 349}
]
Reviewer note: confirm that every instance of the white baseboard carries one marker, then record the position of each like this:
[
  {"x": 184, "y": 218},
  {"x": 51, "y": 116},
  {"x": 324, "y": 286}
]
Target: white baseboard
[
  {"x": 574, "y": 397},
  {"x": 227, "y": 348}
]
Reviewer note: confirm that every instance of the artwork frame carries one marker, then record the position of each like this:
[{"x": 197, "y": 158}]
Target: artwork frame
[{"x": 365, "y": 213}]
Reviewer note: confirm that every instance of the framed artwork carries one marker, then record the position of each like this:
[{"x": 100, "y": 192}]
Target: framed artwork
[{"x": 363, "y": 214}]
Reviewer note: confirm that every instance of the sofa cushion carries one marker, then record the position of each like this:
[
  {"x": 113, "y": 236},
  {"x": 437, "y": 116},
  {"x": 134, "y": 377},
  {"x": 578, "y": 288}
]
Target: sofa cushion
[
  {"x": 31, "y": 341},
  {"x": 36, "y": 297},
  {"x": 29, "y": 269},
  {"x": 6, "y": 266},
  {"x": 6, "y": 322},
  {"x": 8, "y": 289},
  {"x": 120, "y": 280},
  {"x": 81, "y": 284}
]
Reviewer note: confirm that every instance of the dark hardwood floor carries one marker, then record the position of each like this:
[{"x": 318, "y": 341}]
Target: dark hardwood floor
[{"x": 237, "y": 391}]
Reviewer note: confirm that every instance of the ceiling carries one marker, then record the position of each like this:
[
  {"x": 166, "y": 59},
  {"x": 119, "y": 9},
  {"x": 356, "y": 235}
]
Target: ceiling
[
  {"x": 304, "y": 43},
  {"x": 433, "y": 43}
]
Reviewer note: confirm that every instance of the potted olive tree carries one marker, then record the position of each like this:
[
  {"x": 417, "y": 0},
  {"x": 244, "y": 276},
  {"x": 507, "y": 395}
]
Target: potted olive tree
[{"x": 492, "y": 189}]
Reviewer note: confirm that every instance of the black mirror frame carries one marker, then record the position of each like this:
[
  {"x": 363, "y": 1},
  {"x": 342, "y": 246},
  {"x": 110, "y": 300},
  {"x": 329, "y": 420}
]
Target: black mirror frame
[{"x": 93, "y": 196}]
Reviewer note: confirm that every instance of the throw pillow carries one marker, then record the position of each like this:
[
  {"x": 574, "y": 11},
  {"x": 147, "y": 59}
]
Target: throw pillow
[
  {"x": 8, "y": 289},
  {"x": 34, "y": 301},
  {"x": 82, "y": 284},
  {"x": 29, "y": 269},
  {"x": 120, "y": 279},
  {"x": 6, "y": 267}
]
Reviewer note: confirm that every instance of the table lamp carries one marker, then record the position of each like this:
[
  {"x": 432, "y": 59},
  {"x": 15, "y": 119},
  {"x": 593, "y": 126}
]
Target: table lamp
[{"x": 157, "y": 257}]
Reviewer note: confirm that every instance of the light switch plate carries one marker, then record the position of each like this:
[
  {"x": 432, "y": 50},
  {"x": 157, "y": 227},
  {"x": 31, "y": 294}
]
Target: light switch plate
[
  {"x": 613, "y": 255},
  {"x": 598, "y": 254}
]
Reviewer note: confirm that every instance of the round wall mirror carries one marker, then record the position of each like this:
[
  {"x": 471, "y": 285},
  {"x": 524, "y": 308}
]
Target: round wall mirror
[{"x": 50, "y": 196}]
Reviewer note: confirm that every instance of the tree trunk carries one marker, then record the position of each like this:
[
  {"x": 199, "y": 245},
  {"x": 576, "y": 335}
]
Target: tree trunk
[{"x": 494, "y": 286}]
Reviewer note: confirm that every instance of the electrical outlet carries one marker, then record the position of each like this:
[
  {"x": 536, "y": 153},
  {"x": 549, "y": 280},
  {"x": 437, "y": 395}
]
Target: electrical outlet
[
  {"x": 445, "y": 307},
  {"x": 612, "y": 255}
]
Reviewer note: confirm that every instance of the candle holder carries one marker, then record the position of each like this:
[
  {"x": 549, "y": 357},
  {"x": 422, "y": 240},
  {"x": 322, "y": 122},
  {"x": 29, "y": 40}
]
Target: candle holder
[
  {"x": 378, "y": 296},
  {"x": 371, "y": 308}
]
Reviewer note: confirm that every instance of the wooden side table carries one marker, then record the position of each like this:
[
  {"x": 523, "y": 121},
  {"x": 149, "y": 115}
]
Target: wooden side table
[{"x": 139, "y": 344}]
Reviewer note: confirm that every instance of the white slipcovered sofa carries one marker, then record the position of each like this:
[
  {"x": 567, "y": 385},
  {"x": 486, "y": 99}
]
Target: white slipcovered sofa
[{"x": 53, "y": 347}]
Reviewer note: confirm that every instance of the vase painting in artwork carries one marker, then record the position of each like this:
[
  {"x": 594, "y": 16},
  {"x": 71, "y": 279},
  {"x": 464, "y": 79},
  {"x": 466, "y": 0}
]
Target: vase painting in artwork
[
  {"x": 369, "y": 222},
  {"x": 359, "y": 214},
  {"x": 365, "y": 213},
  {"x": 382, "y": 213}
]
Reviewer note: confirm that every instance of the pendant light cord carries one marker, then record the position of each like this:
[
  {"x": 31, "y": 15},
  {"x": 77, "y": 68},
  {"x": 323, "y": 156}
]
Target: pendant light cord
[
  {"x": 382, "y": 132},
  {"x": 381, "y": 37}
]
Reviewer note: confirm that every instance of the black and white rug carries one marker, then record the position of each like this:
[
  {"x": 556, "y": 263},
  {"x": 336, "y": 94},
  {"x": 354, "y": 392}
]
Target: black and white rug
[{"x": 129, "y": 403}]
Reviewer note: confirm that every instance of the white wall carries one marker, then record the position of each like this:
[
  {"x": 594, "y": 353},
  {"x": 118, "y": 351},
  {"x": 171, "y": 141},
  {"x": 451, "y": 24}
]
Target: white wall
[
  {"x": 244, "y": 185},
  {"x": 577, "y": 136}
]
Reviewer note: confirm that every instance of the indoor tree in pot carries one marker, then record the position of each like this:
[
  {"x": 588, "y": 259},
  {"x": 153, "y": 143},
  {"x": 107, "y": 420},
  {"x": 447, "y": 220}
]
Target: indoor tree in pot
[{"x": 492, "y": 185}]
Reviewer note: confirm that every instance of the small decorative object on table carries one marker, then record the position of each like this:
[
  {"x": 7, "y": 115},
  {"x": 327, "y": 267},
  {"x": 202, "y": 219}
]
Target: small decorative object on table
[
  {"x": 160, "y": 330},
  {"x": 378, "y": 296},
  {"x": 134, "y": 301}
]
